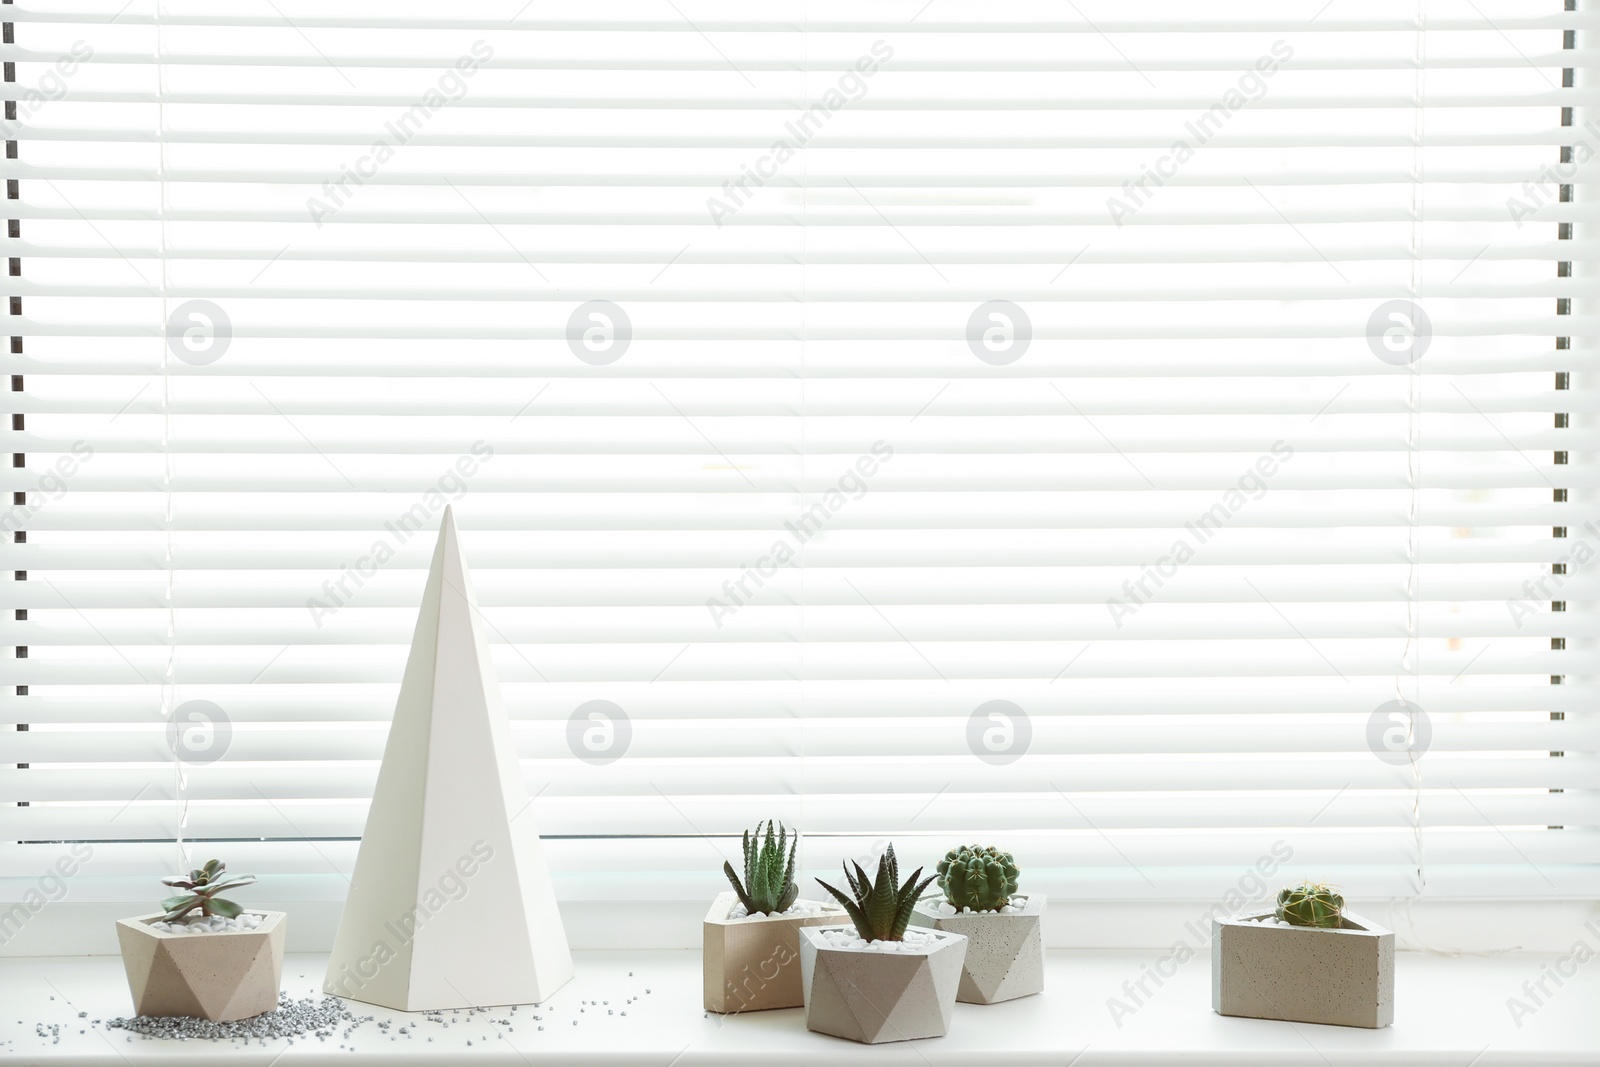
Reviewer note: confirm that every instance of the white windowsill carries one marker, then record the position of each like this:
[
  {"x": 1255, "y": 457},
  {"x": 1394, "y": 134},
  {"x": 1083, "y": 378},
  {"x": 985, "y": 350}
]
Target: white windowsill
[{"x": 1449, "y": 1011}]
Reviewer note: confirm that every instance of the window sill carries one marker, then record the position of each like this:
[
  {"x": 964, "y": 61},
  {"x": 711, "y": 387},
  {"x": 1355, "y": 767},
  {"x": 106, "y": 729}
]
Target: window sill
[{"x": 1450, "y": 1010}]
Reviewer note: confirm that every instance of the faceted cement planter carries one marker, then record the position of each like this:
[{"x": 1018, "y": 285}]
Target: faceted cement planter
[
  {"x": 1005, "y": 956},
  {"x": 219, "y": 976},
  {"x": 752, "y": 963},
  {"x": 1342, "y": 977},
  {"x": 871, "y": 997}
]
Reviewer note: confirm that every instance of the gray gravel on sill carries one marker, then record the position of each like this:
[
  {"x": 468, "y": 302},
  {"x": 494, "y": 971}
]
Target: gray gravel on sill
[{"x": 294, "y": 1018}]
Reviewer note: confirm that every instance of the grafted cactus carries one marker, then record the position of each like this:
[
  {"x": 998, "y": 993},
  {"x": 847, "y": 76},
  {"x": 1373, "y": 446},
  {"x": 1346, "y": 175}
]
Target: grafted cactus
[
  {"x": 881, "y": 910},
  {"x": 768, "y": 884},
  {"x": 978, "y": 877},
  {"x": 1311, "y": 904}
]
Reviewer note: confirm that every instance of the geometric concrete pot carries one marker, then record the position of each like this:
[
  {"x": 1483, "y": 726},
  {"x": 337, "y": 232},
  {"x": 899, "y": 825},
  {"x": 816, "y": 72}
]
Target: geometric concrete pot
[
  {"x": 880, "y": 996},
  {"x": 1005, "y": 957},
  {"x": 753, "y": 963},
  {"x": 1341, "y": 977},
  {"x": 220, "y": 976}
]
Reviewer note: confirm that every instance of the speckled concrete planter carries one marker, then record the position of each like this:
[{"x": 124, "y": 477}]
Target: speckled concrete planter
[
  {"x": 221, "y": 976},
  {"x": 1342, "y": 977},
  {"x": 1005, "y": 955},
  {"x": 874, "y": 997},
  {"x": 753, "y": 963}
]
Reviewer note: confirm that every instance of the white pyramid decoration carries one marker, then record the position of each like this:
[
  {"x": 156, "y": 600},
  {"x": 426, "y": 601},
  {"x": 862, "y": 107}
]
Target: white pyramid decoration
[{"x": 451, "y": 904}]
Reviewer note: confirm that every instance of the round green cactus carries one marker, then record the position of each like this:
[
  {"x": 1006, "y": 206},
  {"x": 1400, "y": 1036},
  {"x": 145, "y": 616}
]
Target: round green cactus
[
  {"x": 1311, "y": 904},
  {"x": 978, "y": 877}
]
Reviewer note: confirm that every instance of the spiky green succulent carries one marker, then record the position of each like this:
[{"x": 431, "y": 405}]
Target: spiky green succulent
[
  {"x": 978, "y": 877},
  {"x": 202, "y": 887},
  {"x": 881, "y": 908},
  {"x": 1311, "y": 904},
  {"x": 768, "y": 884}
]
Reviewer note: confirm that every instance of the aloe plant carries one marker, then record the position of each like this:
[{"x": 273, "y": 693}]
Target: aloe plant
[
  {"x": 881, "y": 909},
  {"x": 202, "y": 886},
  {"x": 1311, "y": 904},
  {"x": 768, "y": 885}
]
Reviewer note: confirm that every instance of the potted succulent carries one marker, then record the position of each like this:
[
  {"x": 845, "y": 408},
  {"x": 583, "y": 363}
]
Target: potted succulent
[
  {"x": 1260, "y": 962},
  {"x": 751, "y": 938},
  {"x": 874, "y": 979},
  {"x": 203, "y": 955},
  {"x": 978, "y": 897}
]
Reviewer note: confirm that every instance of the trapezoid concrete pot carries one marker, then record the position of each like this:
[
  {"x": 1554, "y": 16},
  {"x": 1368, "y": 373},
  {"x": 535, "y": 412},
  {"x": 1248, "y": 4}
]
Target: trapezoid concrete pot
[
  {"x": 1304, "y": 974},
  {"x": 752, "y": 963},
  {"x": 873, "y": 997},
  {"x": 219, "y": 976},
  {"x": 1005, "y": 951}
]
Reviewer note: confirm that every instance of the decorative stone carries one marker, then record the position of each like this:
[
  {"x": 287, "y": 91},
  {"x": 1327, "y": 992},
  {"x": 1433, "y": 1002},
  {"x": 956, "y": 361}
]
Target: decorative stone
[
  {"x": 1341, "y": 977},
  {"x": 221, "y": 976},
  {"x": 870, "y": 996},
  {"x": 1005, "y": 952},
  {"x": 752, "y": 963},
  {"x": 451, "y": 903}
]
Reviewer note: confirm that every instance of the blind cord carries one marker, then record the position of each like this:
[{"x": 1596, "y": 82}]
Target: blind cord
[
  {"x": 169, "y": 681},
  {"x": 1411, "y": 653}
]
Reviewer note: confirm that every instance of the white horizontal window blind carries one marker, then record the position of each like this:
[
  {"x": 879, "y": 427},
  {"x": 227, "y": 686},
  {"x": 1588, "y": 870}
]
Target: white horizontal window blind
[{"x": 1151, "y": 437}]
